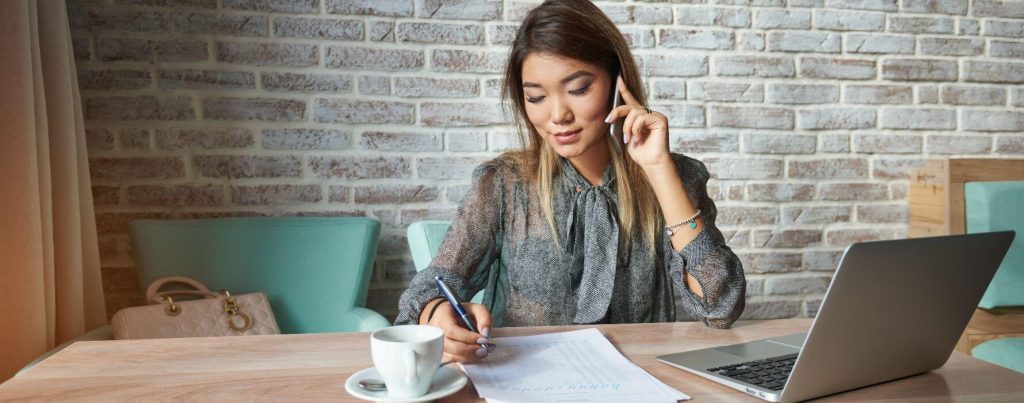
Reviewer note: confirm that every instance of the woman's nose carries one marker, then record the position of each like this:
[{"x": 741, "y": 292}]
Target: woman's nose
[{"x": 561, "y": 114}]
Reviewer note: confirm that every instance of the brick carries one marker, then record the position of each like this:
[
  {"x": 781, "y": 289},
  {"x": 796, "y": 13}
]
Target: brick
[
  {"x": 131, "y": 49},
  {"x": 744, "y": 168},
  {"x": 955, "y": 7},
  {"x": 701, "y": 141},
  {"x": 180, "y": 195},
  {"x": 682, "y": 115},
  {"x": 306, "y": 82},
  {"x": 455, "y": 193},
  {"x": 836, "y": 118},
  {"x": 875, "y": 5},
  {"x": 240, "y": 166},
  {"x": 994, "y": 72},
  {"x": 846, "y": 236},
  {"x": 887, "y": 144},
  {"x": 468, "y": 61},
  {"x": 80, "y": 48},
  {"x": 921, "y": 25},
  {"x": 467, "y": 142},
  {"x": 754, "y": 286},
  {"x": 696, "y": 39},
  {"x": 304, "y": 139},
  {"x": 1013, "y": 50},
  {"x": 382, "y": 31},
  {"x": 412, "y": 215},
  {"x": 951, "y": 46},
  {"x": 834, "y": 143},
  {"x": 718, "y": 16},
  {"x": 106, "y": 195},
  {"x": 396, "y": 194},
  {"x": 918, "y": 119},
  {"x": 780, "y": 192},
  {"x": 796, "y": 285},
  {"x": 334, "y": 110},
  {"x": 879, "y": 44},
  {"x": 460, "y": 9},
  {"x": 802, "y": 93},
  {"x": 895, "y": 168},
  {"x": 135, "y": 139},
  {"x": 206, "y": 79},
  {"x": 616, "y": 13},
  {"x": 725, "y": 91},
  {"x": 136, "y": 168},
  {"x": 927, "y": 94},
  {"x": 416, "y": 87},
  {"x": 751, "y": 117},
  {"x": 267, "y": 54},
  {"x": 782, "y": 19},
  {"x": 756, "y": 66},
  {"x": 374, "y": 85},
  {"x": 790, "y": 238},
  {"x": 1017, "y": 97},
  {"x": 747, "y": 215},
  {"x": 444, "y": 114},
  {"x": 99, "y": 139},
  {"x": 883, "y": 213},
  {"x": 1010, "y": 145},
  {"x": 204, "y": 138},
  {"x": 815, "y": 214},
  {"x": 829, "y": 168},
  {"x": 652, "y": 15},
  {"x": 392, "y": 8},
  {"x": 801, "y": 41},
  {"x": 973, "y": 95},
  {"x": 503, "y": 34},
  {"x": 753, "y": 3},
  {"x": 361, "y": 167},
  {"x": 779, "y": 143},
  {"x": 878, "y": 94},
  {"x": 919, "y": 70},
  {"x": 805, "y": 3},
  {"x": 968, "y": 26},
  {"x": 992, "y": 121},
  {"x": 290, "y": 6},
  {"x": 668, "y": 89},
  {"x": 500, "y": 141},
  {"x": 959, "y": 144},
  {"x": 751, "y": 41},
  {"x": 339, "y": 194},
  {"x": 179, "y": 50},
  {"x": 113, "y": 79},
  {"x": 822, "y": 260},
  {"x": 853, "y": 191},
  {"x": 674, "y": 65},
  {"x": 840, "y": 20},
  {"x": 844, "y": 69},
  {"x": 139, "y": 108},
  {"x": 400, "y": 141},
  {"x": 275, "y": 195},
  {"x": 998, "y": 8},
  {"x": 444, "y": 33},
  {"x": 318, "y": 28},
  {"x": 638, "y": 38},
  {"x": 219, "y": 24},
  {"x": 444, "y": 168},
  {"x": 261, "y": 109},
  {"x": 116, "y": 21},
  {"x": 770, "y": 262}
]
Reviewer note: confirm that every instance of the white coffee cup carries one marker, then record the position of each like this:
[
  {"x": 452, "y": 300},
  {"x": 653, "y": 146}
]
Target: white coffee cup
[{"x": 407, "y": 357}]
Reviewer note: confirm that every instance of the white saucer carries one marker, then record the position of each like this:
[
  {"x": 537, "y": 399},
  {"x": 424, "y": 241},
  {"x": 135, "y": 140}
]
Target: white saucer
[{"x": 446, "y": 382}]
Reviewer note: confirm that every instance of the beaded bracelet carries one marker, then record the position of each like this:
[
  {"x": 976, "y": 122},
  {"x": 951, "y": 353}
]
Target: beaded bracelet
[{"x": 692, "y": 221}]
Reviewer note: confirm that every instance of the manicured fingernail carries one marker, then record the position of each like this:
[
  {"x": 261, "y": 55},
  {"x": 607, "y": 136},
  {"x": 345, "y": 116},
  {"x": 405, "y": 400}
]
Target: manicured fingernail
[
  {"x": 486, "y": 332},
  {"x": 625, "y": 139},
  {"x": 482, "y": 340},
  {"x": 480, "y": 352},
  {"x": 608, "y": 119}
]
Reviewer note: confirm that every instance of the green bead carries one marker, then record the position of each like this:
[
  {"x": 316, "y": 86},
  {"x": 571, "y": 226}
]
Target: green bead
[{"x": 693, "y": 225}]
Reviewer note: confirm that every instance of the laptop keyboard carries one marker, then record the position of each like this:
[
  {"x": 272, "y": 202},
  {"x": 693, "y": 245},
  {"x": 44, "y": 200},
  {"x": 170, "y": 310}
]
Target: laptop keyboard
[{"x": 769, "y": 373}]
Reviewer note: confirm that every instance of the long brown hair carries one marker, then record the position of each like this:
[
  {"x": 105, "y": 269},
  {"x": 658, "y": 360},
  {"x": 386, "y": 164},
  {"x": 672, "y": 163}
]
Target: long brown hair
[{"x": 579, "y": 30}]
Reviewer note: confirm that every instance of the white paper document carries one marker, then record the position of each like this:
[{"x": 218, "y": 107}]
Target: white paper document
[{"x": 577, "y": 366}]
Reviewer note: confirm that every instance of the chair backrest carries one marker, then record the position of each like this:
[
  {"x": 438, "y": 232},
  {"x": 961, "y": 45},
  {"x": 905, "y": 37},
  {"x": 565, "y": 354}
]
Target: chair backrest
[
  {"x": 313, "y": 269},
  {"x": 425, "y": 238},
  {"x": 999, "y": 206}
]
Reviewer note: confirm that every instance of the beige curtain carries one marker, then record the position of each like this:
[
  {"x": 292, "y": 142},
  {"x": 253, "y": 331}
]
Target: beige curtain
[{"x": 50, "y": 286}]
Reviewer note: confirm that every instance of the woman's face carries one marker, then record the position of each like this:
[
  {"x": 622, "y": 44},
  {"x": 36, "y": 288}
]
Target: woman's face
[{"x": 567, "y": 101}]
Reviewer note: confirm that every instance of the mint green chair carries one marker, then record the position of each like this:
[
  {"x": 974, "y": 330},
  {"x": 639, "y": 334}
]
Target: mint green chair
[
  {"x": 425, "y": 239},
  {"x": 315, "y": 271},
  {"x": 999, "y": 206}
]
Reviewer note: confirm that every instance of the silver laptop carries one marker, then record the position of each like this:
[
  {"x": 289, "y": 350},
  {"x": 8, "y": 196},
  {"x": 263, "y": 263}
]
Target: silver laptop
[{"x": 894, "y": 309}]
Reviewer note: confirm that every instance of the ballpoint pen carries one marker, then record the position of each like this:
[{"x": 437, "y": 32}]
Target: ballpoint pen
[{"x": 459, "y": 310}]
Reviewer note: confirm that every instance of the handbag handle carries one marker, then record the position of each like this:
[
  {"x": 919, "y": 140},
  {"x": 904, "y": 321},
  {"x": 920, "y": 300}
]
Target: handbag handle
[{"x": 155, "y": 296}]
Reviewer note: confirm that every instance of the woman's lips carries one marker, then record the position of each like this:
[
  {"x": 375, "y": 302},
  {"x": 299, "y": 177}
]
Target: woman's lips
[{"x": 568, "y": 137}]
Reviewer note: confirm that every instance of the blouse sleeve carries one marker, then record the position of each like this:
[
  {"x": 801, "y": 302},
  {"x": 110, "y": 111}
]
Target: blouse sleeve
[
  {"x": 468, "y": 247},
  {"x": 707, "y": 258}
]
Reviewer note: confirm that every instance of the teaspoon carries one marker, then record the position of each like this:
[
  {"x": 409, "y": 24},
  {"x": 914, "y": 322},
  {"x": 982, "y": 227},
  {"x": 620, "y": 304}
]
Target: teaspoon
[{"x": 375, "y": 385}]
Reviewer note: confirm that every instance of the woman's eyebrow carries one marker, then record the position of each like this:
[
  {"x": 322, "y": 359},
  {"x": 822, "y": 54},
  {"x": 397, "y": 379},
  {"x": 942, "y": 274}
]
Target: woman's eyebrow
[{"x": 568, "y": 78}]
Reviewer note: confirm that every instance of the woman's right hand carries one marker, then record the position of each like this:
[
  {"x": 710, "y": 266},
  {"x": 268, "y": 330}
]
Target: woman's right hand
[{"x": 461, "y": 344}]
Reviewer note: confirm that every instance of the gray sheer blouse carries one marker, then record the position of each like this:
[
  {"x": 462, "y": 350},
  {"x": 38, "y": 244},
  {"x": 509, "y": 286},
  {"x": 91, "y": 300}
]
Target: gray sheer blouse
[{"x": 501, "y": 243}]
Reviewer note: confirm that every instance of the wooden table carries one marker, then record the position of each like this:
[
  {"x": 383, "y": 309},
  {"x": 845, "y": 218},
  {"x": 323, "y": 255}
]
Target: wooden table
[{"x": 315, "y": 366}]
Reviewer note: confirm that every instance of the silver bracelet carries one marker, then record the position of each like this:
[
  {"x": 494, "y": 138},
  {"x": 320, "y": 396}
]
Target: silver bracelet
[{"x": 692, "y": 221}]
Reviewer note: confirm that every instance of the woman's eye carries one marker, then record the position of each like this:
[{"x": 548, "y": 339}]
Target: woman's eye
[
  {"x": 534, "y": 100},
  {"x": 580, "y": 91}
]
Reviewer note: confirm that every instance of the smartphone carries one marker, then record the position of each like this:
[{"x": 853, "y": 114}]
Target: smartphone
[{"x": 616, "y": 128}]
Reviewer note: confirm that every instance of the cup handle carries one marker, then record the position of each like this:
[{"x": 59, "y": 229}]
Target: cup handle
[{"x": 410, "y": 365}]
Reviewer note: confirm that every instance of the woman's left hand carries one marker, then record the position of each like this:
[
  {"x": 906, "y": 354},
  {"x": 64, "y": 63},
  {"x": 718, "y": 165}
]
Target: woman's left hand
[{"x": 645, "y": 131}]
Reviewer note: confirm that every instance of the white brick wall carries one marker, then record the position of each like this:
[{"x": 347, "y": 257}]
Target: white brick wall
[{"x": 809, "y": 114}]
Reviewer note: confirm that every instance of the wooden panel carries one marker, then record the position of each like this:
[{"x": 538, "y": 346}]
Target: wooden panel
[{"x": 985, "y": 170}]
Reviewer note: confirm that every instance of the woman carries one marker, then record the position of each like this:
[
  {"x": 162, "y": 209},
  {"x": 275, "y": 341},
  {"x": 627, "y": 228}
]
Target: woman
[{"x": 578, "y": 228}]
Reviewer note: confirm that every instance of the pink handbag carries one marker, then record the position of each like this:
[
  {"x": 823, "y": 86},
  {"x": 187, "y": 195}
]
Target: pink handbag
[{"x": 213, "y": 314}]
